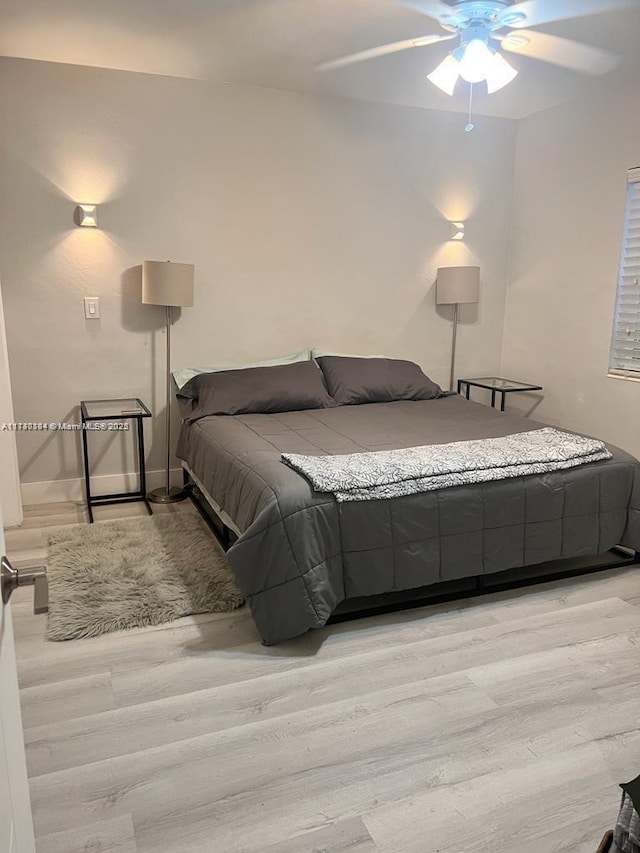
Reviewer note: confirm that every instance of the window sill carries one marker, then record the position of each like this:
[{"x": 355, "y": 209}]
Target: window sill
[{"x": 624, "y": 378}]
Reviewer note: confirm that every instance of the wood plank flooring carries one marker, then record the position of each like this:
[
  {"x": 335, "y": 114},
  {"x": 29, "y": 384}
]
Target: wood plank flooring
[{"x": 499, "y": 724}]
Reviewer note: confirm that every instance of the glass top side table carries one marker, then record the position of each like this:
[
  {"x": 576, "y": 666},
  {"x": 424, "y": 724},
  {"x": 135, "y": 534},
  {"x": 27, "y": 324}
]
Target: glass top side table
[
  {"x": 113, "y": 415},
  {"x": 113, "y": 409},
  {"x": 497, "y": 385}
]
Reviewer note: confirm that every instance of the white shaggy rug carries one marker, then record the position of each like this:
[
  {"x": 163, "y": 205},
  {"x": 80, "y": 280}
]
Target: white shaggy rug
[{"x": 127, "y": 574}]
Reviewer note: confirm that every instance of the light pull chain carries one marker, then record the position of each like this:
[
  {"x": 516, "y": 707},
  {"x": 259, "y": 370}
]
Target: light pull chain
[{"x": 470, "y": 126}]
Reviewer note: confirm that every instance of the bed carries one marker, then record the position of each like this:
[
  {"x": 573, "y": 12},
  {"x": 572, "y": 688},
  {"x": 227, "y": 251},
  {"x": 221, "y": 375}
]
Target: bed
[{"x": 300, "y": 553}]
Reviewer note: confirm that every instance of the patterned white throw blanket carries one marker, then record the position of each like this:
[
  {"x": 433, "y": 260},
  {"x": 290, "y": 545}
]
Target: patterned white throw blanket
[{"x": 393, "y": 473}]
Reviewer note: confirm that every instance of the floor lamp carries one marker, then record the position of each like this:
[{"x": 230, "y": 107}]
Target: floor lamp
[
  {"x": 457, "y": 286},
  {"x": 171, "y": 285}
]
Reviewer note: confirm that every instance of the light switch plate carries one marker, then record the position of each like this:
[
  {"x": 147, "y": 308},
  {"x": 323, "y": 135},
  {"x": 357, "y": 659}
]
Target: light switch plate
[{"x": 92, "y": 308}]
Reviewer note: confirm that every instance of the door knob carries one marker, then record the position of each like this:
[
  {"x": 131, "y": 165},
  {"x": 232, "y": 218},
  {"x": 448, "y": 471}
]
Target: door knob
[{"x": 10, "y": 580}]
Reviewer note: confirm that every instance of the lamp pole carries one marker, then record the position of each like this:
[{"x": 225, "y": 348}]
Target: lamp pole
[{"x": 456, "y": 312}]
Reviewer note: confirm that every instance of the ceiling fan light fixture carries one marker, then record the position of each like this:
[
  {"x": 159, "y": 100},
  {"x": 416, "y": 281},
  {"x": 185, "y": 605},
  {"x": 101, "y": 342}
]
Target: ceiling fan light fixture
[
  {"x": 475, "y": 61},
  {"x": 499, "y": 73},
  {"x": 446, "y": 75}
]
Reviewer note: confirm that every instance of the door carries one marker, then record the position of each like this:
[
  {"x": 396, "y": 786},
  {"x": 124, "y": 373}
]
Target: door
[
  {"x": 10, "y": 480},
  {"x": 16, "y": 826}
]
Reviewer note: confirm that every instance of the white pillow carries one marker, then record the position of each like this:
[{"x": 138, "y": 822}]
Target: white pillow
[
  {"x": 318, "y": 353},
  {"x": 182, "y": 375}
]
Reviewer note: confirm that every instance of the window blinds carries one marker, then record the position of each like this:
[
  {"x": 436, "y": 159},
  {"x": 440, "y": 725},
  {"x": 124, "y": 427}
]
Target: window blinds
[{"x": 625, "y": 340}]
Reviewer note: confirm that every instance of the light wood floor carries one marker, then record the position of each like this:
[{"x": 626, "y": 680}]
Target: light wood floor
[{"x": 502, "y": 724}]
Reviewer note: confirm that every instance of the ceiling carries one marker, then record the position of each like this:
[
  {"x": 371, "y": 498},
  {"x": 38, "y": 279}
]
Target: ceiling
[{"x": 279, "y": 43}]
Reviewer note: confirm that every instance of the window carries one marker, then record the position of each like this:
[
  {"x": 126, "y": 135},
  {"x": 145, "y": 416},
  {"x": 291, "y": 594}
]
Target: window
[{"x": 624, "y": 359}]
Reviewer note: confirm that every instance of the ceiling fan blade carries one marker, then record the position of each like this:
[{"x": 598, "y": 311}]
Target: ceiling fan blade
[
  {"x": 560, "y": 51},
  {"x": 430, "y": 8},
  {"x": 545, "y": 11},
  {"x": 383, "y": 50}
]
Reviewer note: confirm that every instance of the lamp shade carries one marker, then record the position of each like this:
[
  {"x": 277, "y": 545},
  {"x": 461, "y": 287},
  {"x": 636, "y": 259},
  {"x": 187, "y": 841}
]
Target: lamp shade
[
  {"x": 166, "y": 283},
  {"x": 458, "y": 285}
]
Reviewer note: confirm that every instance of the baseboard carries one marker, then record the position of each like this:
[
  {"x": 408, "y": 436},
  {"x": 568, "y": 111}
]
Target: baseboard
[{"x": 57, "y": 491}]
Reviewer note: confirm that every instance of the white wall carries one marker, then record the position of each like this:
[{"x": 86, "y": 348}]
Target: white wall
[
  {"x": 570, "y": 187},
  {"x": 312, "y": 221}
]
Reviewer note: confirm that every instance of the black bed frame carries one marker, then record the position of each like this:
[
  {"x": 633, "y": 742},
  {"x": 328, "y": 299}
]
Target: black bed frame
[{"x": 360, "y": 608}]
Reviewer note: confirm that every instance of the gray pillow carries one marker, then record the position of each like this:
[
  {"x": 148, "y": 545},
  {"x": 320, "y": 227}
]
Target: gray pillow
[
  {"x": 285, "y": 388},
  {"x": 375, "y": 380}
]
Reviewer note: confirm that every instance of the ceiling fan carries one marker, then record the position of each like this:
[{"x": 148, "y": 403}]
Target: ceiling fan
[{"x": 485, "y": 28}]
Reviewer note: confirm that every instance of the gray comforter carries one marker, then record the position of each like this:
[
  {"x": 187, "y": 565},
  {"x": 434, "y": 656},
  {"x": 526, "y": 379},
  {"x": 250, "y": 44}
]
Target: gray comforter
[{"x": 300, "y": 552}]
